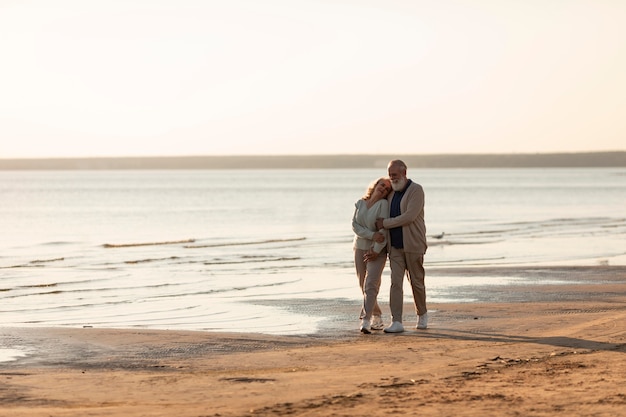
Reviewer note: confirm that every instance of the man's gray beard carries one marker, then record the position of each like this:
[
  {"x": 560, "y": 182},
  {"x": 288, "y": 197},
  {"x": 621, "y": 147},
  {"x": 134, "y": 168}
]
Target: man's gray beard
[{"x": 399, "y": 185}]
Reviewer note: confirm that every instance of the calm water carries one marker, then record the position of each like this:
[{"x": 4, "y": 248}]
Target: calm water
[{"x": 215, "y": 250}]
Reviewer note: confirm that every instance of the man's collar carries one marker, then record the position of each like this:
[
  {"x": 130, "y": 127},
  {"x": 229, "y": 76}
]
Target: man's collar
[{"x": 408, "y": 182}]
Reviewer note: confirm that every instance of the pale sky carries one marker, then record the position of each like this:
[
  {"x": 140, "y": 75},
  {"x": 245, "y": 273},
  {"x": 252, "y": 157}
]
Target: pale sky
[{"x": 181, "y": 77}]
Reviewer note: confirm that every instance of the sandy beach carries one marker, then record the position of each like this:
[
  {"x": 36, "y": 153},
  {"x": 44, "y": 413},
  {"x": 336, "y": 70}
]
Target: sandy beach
[{"x": 536, "y": 350}]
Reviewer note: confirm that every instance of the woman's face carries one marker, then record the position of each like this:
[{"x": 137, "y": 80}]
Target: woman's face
[{"x": 384, "y": 187}]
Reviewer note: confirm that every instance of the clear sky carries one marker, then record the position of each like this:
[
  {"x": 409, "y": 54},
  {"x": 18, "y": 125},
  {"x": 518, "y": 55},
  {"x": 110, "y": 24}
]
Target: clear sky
[{"x": 228, "y": 77}]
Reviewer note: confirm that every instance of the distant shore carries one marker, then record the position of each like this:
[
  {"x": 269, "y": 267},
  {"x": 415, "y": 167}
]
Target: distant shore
[{"x": 538, "y": 160}]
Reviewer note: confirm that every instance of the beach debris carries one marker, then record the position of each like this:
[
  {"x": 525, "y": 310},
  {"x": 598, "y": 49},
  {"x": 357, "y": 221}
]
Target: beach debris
[
  {"x": 247, "y": 379},
  {"x": 398, "y": 382},
  {"x": 510, "y": 361},
  {"x": 573, "y": 352}
]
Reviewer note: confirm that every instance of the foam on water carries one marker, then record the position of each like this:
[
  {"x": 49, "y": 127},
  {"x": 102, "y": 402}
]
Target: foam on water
[{"x": 8, "y": 355}]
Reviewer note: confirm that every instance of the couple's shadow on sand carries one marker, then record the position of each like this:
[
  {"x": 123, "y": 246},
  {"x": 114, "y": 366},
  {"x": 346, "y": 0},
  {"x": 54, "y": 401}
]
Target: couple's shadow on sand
[{"x": 557, "y": 341}]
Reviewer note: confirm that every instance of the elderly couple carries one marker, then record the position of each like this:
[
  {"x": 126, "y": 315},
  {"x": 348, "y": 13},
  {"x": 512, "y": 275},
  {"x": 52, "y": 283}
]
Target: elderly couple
[{"x": 389, "y": 219}]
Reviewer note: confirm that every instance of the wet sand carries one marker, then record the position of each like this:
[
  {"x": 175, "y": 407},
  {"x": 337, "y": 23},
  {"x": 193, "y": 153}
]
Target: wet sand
[{"x": 536, "y": 350}]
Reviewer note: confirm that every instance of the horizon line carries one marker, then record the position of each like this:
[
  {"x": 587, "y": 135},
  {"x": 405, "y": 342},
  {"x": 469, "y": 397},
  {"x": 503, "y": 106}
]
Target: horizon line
[
  {"x": 29, "y": 158},
  {"x": 536, "y": 160}
]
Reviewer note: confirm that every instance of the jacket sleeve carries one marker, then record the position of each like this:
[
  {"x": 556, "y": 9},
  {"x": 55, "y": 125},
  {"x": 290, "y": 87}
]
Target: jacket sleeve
[
  {"x": 358, "y": 229},
  {"x": 415, "y": 205},
  {"x": 384, "y": 213}
]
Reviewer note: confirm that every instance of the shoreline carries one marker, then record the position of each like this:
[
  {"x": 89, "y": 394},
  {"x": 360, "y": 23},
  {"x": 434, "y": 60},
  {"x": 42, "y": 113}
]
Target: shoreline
[{"x": 531, "y": 350}]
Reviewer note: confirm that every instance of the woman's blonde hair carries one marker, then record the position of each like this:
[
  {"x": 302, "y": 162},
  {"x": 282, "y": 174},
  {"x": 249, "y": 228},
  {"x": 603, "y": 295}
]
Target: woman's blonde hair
[{"x": 370, "y": 189}]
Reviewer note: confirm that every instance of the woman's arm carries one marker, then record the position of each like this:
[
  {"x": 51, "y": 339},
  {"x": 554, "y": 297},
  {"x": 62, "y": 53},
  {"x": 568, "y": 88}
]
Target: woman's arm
[{"x": 359, "y": 229}]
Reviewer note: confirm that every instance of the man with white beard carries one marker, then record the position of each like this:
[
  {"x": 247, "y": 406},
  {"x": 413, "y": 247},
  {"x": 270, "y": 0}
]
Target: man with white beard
[{"x": 406, "y": 244}]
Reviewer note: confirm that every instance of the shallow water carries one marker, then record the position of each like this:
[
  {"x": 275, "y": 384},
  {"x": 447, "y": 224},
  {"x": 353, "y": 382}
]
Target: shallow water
[{"x": 207, "y": 250}]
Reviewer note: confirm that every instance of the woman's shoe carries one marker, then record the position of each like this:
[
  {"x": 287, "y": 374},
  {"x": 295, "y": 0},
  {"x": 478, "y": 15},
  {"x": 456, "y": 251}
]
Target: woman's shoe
[
  {"x": 377, "y": 323},
  {"x": 365, "y": 326}
]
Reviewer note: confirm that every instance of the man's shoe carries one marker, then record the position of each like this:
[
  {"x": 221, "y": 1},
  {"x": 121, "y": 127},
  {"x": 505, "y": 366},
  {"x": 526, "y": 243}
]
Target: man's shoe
[
  {"x": 396, "y": 327},
  {"x": 422, "y": 322},
  {"x": 365, "y": 326},
  {"x": 377, "y": 323}
]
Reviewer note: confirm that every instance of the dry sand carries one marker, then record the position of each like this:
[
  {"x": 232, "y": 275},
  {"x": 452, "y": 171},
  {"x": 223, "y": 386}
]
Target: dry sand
[{"x": 540, "y": 350}]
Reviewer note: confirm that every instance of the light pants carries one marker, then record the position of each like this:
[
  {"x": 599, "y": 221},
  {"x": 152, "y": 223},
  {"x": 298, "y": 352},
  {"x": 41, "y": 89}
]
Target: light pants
[
  {"x": 402, "y": 262},
  {"x": 369, "y": 274}
]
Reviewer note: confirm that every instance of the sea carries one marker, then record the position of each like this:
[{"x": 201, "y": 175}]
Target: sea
[{"x": 235, "y": 250}]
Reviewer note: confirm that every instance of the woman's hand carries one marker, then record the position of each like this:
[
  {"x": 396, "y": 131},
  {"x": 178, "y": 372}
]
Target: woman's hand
[
  {"x": 370, "y": 255},
  {"x": 378, "y": 237}
]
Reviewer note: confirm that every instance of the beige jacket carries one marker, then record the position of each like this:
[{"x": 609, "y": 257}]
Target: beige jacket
[{"x": 411, "y": 219}]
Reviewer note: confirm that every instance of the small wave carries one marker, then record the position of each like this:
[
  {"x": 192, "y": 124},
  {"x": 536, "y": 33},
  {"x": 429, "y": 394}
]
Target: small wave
[
  {"x": 257, "y": 242},
  {"x": 126, "y": 245},
  {"x": 489, "y": 232},
  {"x": 51, "y": 292},
  {"x": 41, "y": 261},
  {"x": 35, "y": 263},
  {"x": 40, "y": 285},
  {"x": 248, "y": 261},
  {"x": 465, "y": 242},
  {"x": 468, "y": 261},
  {"x": 150, "y": 260},
  {"x": 560, "y": 221},
  {"x": 20, "y": 266},
  {"x": 58, "y": 243}
]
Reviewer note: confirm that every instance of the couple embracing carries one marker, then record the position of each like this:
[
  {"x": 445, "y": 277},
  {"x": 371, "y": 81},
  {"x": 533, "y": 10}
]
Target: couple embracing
[{"x": 389, "y": 221}]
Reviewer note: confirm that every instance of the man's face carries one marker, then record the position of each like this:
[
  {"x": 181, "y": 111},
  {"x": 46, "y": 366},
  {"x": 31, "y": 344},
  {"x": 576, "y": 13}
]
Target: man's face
[{"x": 397, "y": 175}]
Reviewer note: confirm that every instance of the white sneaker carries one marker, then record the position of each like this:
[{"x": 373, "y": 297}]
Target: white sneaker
[
  {"x": 396, "y": 327},
  {"x": 422, "y": 322},
  {"x": 377, "y": 323},
  {"x": 365, "y": 326}
]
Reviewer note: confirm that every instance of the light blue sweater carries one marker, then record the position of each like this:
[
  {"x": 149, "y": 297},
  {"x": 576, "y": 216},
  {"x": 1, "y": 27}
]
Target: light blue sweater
[{"x": 364, "y": 224}]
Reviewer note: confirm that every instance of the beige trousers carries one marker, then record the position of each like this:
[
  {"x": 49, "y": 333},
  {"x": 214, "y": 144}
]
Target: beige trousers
[
  {"x": 370, "y": 275},
  {"x": 412, "y": 264}
]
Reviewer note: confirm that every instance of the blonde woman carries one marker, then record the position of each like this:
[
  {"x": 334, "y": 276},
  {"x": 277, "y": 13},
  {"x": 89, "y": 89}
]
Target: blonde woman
[{"x": 370, "y": 250}]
